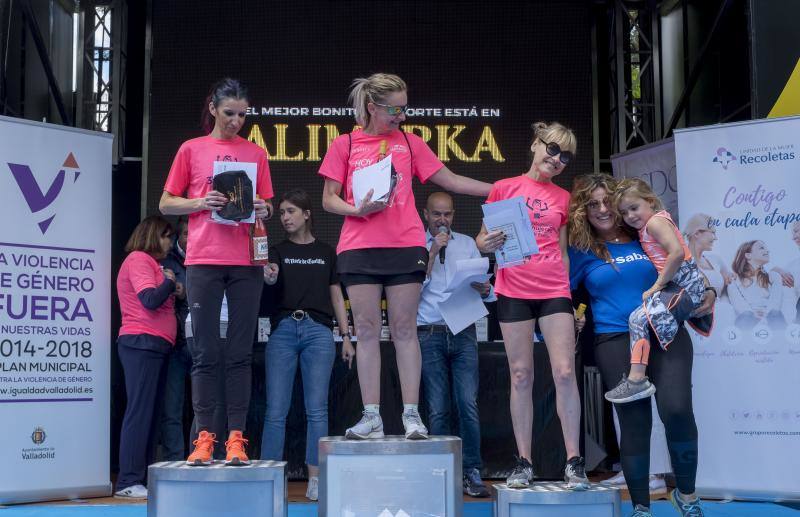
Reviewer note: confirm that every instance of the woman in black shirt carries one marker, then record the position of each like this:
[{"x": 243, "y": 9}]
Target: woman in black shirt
[{"x": 303, "y": 270}]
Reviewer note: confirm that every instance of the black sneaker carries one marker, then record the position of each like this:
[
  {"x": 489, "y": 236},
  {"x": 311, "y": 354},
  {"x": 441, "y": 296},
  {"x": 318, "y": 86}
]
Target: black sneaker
[
  {"x": 473, "y": 485},
  {"x": 522, "y": 475},
  {"x": 575, "y": 474}
]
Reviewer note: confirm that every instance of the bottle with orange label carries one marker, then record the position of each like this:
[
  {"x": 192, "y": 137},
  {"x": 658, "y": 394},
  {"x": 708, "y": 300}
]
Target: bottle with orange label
[{"x": 259, "y": 244}]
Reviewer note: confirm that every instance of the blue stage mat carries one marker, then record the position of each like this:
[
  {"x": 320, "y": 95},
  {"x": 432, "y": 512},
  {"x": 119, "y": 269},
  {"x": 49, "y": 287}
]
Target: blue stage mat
[{"x": 660, "y": 509}]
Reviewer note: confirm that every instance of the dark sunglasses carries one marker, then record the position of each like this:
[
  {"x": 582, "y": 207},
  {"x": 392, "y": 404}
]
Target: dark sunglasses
[{"x": 553, "y": 149}]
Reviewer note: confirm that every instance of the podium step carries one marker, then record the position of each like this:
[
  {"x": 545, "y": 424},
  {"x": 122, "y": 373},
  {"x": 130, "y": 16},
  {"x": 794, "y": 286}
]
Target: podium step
[
  {"x": 553, "y": 499},
  {"x": 390, "y": 477},
  {"x": 178, "y": 490}
]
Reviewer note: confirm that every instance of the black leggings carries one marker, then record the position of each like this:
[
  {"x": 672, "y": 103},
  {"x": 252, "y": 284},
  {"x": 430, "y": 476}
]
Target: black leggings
[
  {"x": 205, "y": 287},
  {"x": 671, "y": 372}
]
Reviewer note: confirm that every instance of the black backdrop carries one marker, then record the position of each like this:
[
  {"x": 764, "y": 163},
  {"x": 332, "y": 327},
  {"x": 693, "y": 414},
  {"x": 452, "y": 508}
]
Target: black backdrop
[
  {"x": 529, "y": 60},
  {"x": 522, "y": 61}
]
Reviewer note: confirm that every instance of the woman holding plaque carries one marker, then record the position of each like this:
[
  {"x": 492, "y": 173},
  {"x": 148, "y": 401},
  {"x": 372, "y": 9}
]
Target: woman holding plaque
[
  {"x": 539, "y": 290},
  {"x": 219, "y": 259},
  {"x": 382, "y": 244}
]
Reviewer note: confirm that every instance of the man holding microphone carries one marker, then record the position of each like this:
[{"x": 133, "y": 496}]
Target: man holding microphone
[{"x": 444, "y": 354}]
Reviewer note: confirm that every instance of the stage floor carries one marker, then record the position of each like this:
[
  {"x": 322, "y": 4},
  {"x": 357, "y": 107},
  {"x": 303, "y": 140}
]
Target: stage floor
[{"x": 300, "y": 507}]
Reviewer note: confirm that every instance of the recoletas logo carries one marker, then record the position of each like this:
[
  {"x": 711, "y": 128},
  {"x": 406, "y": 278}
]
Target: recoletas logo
[
  {"x": 37, "y": 199},
  {"x": 724, "y": 157}
]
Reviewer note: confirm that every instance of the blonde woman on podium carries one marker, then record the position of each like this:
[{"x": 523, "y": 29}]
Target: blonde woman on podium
[
  {"x": 382, "y": 244},
  {"x": 539, "y": 291}
]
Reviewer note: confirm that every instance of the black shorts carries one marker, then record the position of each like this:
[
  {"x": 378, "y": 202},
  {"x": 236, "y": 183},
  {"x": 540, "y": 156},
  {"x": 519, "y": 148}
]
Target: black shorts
[
  {"x": 510, "y": 310},
  {"x": 348, "y": 279},
  {"x": 384, "y": 266}
]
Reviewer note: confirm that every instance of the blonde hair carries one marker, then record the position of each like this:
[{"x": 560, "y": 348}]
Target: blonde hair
[
  {"x": 695, "y": 223},
  {"x": 639, "y": 188},
  {"x": 374, "y": 88},
  {"x": 557, "y": 133},
  {"x": 582, "y": 235}
]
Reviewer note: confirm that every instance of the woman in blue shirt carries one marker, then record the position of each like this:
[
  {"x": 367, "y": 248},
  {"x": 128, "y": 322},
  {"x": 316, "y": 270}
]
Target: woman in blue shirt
[{"x": 607, "y": 259}]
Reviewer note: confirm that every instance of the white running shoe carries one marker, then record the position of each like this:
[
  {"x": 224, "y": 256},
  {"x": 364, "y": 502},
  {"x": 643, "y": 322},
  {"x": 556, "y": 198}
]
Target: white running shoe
[
  {"x": 616, "y": 481},
  {"x": 370, "y": 426},
  {"x": 657, "y": 484},
  {"x": 415, "y": 429},
  {"x": 312, "y": 492},
  {"x": 132, "y": 492}
]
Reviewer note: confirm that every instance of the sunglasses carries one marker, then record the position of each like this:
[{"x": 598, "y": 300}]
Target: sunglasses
[
  {"x": 392, "y": 110},
  {"x": 553, "y": 149}
]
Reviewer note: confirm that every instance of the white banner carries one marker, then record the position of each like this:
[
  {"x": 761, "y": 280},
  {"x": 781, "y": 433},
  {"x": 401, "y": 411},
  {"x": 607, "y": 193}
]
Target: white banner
[
  {"x": 742, "y": 181},
  {"x": 655, "y": 164},
  {"x": 55, "y": 275}
]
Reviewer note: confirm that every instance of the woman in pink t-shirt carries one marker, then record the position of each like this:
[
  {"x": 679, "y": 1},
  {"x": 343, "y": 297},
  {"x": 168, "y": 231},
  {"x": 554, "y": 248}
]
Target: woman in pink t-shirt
[
  {"x": 382, "y": 244},
  {"x": 539, "y": 290},
  {"x": 146, "y": 300},
  {"x": 218, "y": 262}
]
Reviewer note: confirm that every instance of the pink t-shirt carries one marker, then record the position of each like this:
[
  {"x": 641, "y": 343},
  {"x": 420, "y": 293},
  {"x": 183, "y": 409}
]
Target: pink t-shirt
[
  {"x": 140, "y": 271},
  {"x": 543, "y": 276},
  {"x": 654, "y": 250},
  {"x": 190, "y": 176},
  {"x": 399, "y": 225}
]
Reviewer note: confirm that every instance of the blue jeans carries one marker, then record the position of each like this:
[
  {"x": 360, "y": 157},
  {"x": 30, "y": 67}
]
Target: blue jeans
[
  {"x": 445, "y": 355},
  {"x": 311, "y": 343},
  {"x": 173, "y": 442}
]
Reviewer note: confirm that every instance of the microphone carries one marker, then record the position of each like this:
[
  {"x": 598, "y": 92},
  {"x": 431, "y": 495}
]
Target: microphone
[{"x": 443, "y": 249}]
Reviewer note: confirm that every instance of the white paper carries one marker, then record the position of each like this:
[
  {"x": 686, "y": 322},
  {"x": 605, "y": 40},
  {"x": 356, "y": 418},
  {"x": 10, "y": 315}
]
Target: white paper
[
  {"x": 377, "y": 177},
  {"x": 466, "y": 271},
  {"x": 511, "y": 217},
  {"x": 462, "y": 308},
  {"x": 251, "y": 169}
]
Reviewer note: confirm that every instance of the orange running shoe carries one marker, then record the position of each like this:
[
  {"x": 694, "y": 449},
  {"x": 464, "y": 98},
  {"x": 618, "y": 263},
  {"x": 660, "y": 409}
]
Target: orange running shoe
[
  {"x": 235, "y": 449},
  {"x": 203, "y": 449}
]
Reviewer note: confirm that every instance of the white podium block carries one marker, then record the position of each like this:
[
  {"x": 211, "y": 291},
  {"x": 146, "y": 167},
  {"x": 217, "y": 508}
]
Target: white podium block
[
  {"x": 553, "y": 499},
  {"x": 178, "y": 490},
  {"x": 390, "y": 477}
]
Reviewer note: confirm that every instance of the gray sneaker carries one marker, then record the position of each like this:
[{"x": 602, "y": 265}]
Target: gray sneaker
[
  {"x": 412, "y": 423},
  {"x": 641, "y": 511},
  {"x": 628, "y": 391},
  {"x": 690, "y": 509},
  {"x": 370, "y": 426},
  {"x": 575, "y": 474},
  {"x": 312, "y": 492},
  {"x": 521, "y": 476}
]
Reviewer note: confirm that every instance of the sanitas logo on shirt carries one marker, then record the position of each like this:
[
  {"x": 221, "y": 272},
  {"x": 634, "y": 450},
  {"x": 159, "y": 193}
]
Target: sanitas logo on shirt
[
  {"x": 631, "y": 257},
  {"x": 304, "y": 261}
]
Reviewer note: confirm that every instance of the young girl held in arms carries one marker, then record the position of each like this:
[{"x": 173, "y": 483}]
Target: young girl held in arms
[{"x": 671, "y": 300}]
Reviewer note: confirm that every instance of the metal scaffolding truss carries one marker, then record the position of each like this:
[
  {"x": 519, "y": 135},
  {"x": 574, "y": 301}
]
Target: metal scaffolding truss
[
  {"x": 634, "y": 73},
  {"x": 101, "y": 86}
]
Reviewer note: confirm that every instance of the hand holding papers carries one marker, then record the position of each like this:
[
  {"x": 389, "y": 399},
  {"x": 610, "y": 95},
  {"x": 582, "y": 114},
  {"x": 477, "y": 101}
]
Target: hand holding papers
[
  {"x": 378, "y": 178},
  {"x": 464, "y": 306},
  {"x": 511, "y": 217}
]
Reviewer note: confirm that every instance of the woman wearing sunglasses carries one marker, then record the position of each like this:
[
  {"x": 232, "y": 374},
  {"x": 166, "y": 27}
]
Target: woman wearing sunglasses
[
  {"x": 382, "y": 244},
  {"x": 539, "y": 290}
]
